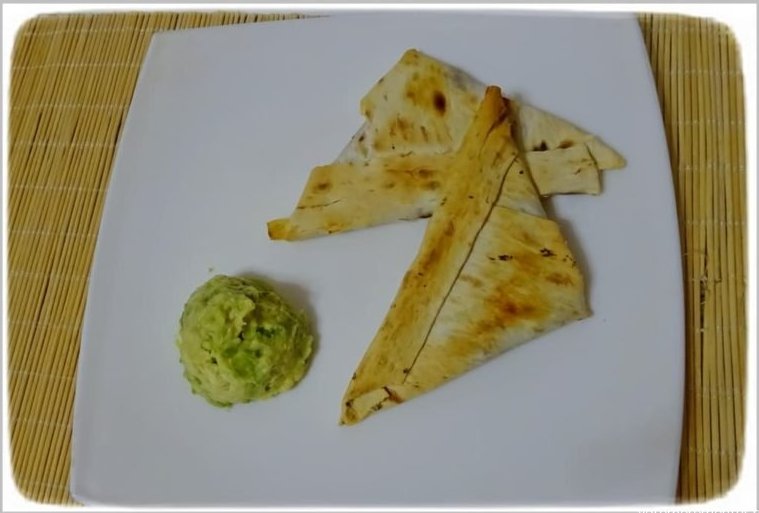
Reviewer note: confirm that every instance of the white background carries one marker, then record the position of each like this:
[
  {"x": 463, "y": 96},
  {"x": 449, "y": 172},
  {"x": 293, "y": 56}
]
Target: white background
[{"x": 742, "y": 20}]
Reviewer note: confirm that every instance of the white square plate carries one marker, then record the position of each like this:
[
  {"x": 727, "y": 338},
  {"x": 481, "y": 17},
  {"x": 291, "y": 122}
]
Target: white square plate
[{"x": 225, "y": 125}]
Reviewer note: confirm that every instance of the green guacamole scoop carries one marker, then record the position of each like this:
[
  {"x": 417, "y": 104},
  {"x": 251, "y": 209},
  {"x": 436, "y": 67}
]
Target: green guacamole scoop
[{"x": 239, "y": 341}]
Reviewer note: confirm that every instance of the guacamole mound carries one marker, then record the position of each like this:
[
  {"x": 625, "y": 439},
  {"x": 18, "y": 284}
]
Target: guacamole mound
[{"x": 239, "y": 341}]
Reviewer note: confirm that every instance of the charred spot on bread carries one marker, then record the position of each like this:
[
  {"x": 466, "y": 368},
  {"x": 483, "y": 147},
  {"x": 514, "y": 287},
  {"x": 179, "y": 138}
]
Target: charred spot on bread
[
  {"x": 392, "y": 396},
  {"x": 439, "y": 101}
]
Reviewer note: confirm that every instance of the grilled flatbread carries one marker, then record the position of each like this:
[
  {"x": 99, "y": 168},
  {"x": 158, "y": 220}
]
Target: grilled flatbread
[
  {"x": 350, "y": 195},
  {"x": 417, "y": 115},
  {"x": 487, "y": 153},
  {"x": 540, "y": 131},
  {"x": 519, "y": 282},
  {"x": 582, "y": 178},
  {"x": 423, "y": 105},
  {"x": 485, "y": 280}
]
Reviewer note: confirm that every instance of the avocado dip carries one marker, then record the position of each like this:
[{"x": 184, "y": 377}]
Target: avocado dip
[{"x": 239, "y": 341}]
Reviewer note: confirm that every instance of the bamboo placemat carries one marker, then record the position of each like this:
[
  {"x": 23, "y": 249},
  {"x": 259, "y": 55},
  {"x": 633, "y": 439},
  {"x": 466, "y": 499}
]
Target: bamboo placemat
[{"x": 72, "y": 79}]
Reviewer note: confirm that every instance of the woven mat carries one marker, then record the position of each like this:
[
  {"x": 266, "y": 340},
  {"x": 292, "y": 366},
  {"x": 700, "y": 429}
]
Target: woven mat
[{"x": 72, "y": 79}]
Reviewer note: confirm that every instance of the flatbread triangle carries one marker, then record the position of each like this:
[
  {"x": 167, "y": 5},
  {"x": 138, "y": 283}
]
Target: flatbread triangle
[
  {"x": 416, "y": 117},
  {"x": 490, "y": 274}
]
